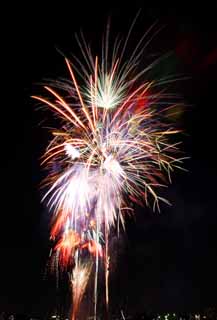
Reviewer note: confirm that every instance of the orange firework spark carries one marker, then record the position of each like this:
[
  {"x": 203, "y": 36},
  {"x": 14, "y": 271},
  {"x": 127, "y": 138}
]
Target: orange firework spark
[{"x": 66, "y": 247}]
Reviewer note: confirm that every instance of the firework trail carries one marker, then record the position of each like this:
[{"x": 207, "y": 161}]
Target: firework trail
[
  {"x": 79, "y": 282},
  {"x": 112, "y": 148}
]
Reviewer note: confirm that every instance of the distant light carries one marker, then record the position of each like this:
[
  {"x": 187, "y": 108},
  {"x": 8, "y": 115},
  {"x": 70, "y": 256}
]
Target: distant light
[{"x": 54, "y": 317}]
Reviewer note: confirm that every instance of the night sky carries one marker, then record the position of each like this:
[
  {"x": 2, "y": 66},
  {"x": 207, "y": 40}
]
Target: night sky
[{"x": 168, "y": 260}]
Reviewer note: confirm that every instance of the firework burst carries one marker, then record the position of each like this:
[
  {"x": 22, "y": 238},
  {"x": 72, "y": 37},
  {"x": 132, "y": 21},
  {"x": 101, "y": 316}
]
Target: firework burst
[{"x": 112, "y": 148}]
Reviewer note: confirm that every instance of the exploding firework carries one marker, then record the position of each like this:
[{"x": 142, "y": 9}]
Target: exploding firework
[{"x": 111, "y": 149}]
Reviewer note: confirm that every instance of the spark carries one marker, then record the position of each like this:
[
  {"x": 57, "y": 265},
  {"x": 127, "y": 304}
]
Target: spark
[
  {"x": 72, "y": 152},
  {"x": 79, "y": 282}
]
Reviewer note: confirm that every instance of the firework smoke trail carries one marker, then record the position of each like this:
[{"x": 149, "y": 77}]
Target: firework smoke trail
[{"x": 111, "y": 148}]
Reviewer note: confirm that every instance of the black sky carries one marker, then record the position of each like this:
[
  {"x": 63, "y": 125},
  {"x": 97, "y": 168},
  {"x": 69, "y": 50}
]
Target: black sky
[{"x": 170, "y": 259}]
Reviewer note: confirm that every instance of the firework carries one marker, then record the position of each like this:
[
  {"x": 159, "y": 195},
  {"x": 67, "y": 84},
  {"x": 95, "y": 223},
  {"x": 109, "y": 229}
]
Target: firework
[
  {"x": 111, "y": 149},
  {"x": 79, "y": 282}
]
